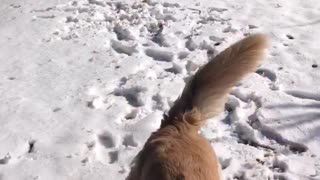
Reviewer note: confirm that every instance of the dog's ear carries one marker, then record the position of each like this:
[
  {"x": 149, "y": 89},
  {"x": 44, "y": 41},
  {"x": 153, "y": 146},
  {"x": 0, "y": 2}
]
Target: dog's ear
[{"x": 207, "y": 90}]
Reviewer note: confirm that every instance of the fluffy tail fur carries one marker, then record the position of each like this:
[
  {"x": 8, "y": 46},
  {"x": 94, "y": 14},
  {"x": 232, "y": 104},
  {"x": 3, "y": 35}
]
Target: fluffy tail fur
[{"x": 205, "y": 94}]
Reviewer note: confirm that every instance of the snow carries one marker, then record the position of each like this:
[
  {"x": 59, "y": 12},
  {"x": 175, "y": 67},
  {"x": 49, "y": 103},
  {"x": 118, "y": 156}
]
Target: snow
[{"x": 84, "y": 83}]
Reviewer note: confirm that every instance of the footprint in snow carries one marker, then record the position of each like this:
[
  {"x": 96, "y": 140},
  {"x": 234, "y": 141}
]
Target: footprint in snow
[
  {"x": 5, "y": 160},
  {"x": 113, "y": 157},
  {"x": 183, "y": 55},
  {"x": 132, "y": 115},
  {"x": 133, "y": 95},
  {"x": 123, "y": 48},
  {"x": 129, "y": 140},
  {"x": 267, "y": 73},
  {"x": 123, "y": 33},
  {"x": 107, "y": 140},
  {"x": 175, "y": 69},
  {"x": 159, "y": 55},
  {"x": 279, "y": 166}
]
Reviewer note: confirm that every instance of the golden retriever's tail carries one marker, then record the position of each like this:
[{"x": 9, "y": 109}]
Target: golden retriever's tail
[{"x": 205, "y": 94}]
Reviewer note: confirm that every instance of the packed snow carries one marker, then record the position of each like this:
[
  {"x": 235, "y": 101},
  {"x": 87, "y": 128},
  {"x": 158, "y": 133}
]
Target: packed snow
[{"x": 84, "y": 83}]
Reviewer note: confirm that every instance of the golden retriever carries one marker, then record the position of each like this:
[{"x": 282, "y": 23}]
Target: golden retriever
[{"x": 176, "y": 151}]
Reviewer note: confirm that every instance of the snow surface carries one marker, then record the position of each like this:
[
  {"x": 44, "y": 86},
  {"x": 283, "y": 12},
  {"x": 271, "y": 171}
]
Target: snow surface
[{"x": 84, "y": 83}]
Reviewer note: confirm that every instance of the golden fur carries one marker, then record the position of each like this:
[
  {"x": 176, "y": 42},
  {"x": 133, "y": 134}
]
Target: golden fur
[{"x": 176, "y": 151}]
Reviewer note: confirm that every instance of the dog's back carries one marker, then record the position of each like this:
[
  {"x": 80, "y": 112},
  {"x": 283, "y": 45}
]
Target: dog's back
[{"x": 176, "y": 151}]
